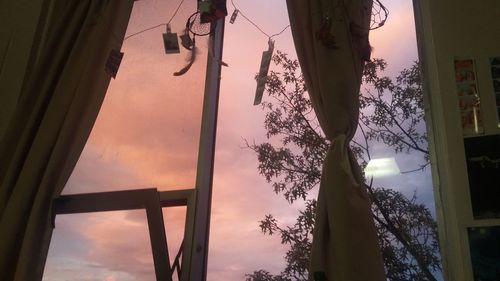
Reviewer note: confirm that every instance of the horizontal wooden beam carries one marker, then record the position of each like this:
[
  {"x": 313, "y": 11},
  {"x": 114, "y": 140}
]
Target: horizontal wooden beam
[{"x": 119, "y": 200}]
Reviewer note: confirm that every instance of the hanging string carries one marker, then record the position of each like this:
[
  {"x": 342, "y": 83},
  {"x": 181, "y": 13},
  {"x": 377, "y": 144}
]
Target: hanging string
[
  {"x": 255, "y": 25},
  {"x": 234, "y": 6},
  {"x": 279, "y": 33},
  {"x": 175, "y": 13},
  {"x": 379, "y": 16},
  {"x": 158, "y": 25},
  {"x": 144, "y": 30}
]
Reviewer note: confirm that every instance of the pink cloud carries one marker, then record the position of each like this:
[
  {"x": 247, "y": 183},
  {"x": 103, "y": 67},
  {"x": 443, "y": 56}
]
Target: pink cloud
[
  {"x": 396, "y": 40},
  {"x": 147, "y": 136}
]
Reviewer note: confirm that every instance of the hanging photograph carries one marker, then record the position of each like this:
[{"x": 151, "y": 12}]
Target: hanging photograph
[
  {"x": 484, "y": 243},
  {"x": 468, "y": 96},
  {"x": 483, "y": 169},
  {"x": 495, "y": 76}
]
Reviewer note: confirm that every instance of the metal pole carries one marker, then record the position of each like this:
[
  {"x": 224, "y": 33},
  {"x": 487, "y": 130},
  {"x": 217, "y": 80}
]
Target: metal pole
[{"x": 204, "y": 176}]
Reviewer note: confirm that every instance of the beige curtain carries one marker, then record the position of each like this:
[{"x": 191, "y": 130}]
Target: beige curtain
[
  {"x": 331, "y": 39},
  {"x": 52, "y": 108},
  {"x": 17, "y": 31}
]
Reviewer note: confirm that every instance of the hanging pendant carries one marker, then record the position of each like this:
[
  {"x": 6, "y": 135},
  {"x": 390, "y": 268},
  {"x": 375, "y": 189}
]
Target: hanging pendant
[
  {"x": 186, "y": 40},
  {"x": 170, "y": 42}
]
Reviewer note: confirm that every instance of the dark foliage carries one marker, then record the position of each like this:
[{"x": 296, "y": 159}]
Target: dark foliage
[{"x": 291, "y": 160}]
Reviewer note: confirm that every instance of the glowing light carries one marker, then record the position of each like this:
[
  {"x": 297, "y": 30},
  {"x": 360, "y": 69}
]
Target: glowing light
[{"x": 382, "y": 167}]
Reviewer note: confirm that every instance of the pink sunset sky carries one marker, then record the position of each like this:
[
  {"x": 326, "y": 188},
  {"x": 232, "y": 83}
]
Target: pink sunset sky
[{"x": 147, "y": 135}]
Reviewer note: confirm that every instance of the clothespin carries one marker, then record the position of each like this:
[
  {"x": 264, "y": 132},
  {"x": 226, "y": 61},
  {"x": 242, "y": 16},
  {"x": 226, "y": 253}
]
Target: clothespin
[
  {"x": 264, "y": 69},
  {"x": 234, "y": 15}
]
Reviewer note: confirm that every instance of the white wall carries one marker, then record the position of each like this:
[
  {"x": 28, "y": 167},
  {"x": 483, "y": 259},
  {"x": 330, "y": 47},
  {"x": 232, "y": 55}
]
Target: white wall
[{"x": 447, "y": 29}]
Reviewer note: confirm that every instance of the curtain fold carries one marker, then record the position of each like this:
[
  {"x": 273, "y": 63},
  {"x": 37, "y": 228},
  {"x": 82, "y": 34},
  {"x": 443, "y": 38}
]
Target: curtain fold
[
  {"x": 18, "y": 23},
  {"x": 331, "y": 40},
  {"x": 52, "y": 117}
]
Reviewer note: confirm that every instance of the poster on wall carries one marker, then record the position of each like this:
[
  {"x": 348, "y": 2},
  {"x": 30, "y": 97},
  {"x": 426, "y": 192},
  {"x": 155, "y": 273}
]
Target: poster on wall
[
  {"x": 468, "y": 96},
  {"x": 484, "y": 244},
  {"x": 483, "y": 168},
  {"x": 495, "y": 75}
]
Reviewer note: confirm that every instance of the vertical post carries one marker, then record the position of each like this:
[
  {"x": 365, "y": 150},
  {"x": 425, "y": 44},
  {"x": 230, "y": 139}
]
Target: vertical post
[
  {"x": 206, "y": 153},
  {"x": 157, "y": 236},
  {"x": 428, "y": 66}
]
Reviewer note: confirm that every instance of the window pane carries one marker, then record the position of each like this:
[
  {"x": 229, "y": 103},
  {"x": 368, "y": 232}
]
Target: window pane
[
  {"x": 107, "y": 246},
  {"x": 174, "y": 221},
  {"x": 147, "y": 132},
  {"x": 243, "y": 197}
]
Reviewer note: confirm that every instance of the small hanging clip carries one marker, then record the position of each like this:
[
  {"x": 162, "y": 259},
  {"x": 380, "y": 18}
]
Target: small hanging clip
[
  {"x": 186, "y": 40},
  {"x": 113, "y": 62},
  {"x": 264, "y": 69},
  {"x": 234, "y": 15}
]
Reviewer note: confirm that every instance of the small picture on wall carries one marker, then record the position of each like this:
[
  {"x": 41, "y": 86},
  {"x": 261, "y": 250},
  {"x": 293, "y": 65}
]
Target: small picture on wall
[
  {"x": 468, "y": 96},
  {"x": 495, "y": 76},
  {"x": 483, "y": 169},
  {"x": 484, "y": 244}
]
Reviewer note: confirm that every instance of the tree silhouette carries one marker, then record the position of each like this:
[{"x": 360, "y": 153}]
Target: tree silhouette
[{"x": 291, "y": 160}]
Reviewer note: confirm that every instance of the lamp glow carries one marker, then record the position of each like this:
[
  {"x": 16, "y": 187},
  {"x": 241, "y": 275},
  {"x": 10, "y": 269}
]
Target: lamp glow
[{"x": 382, "y": 167}]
